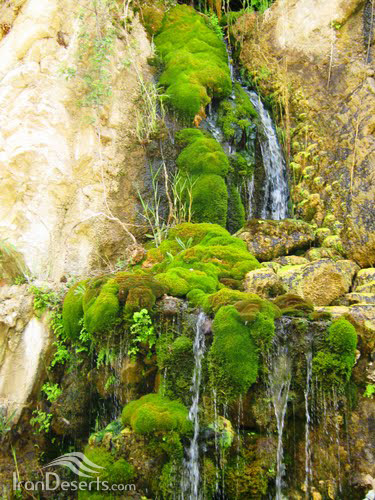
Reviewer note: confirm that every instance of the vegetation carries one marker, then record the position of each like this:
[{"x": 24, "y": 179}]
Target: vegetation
[
  {"x": 141, "y": 332},
  {"x": 204, "y": 160},
  {"x": 195, "y": 62},
  {"x": 155, "y": 413},
  {"x": 333, "y": 365}
]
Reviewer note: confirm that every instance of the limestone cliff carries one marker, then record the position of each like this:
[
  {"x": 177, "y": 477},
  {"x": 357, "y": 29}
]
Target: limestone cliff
[
  {"x": 64, "y": 181},
  {"x": 315, "y": 59}
]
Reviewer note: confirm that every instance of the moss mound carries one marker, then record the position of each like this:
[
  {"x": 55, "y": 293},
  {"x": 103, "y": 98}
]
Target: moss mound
[
  {"x": 205, "y": 254},
  {"x": 155, "y": 413},
  {"x": 114, "y": 471},
  {"x": 233, "y": 355},
  {"x": 333, "y": 365},
  {"x": 204, "y": 160},
  {"x": 106, "y": 300},
  {"x": 73, "y": 311},
  {"x": 195, "y": 59},
  {"x": 293, "y": 305},
  {"x": 236, "y": 116}
]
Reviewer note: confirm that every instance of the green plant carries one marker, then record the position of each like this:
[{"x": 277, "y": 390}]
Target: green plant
[
  {"x": 111, "y": 380},
  {"x": 141, "y": 332},
  {"x": 214, "y": 23},
  {"x": 150, "y": 112},
  {"x": 52, "y": 391},
  {"x": 6, "y": 423},
  {"x": 370, "y": 391},
  {"x": 41, "y": 420},
  {"x": 96, "y": 45},
  {"x": 106, "y": 357}
]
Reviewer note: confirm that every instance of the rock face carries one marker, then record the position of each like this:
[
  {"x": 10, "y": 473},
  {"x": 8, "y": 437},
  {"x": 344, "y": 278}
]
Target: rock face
[
  {"x": 62, "y": 179},
  {"x": 24, "y": 341},
  {"x": 320, "y": 282},
  {"x": 264, "y": 282},
  {"x": 319, "y": 59},
  {"x": 268, "y": 239}
]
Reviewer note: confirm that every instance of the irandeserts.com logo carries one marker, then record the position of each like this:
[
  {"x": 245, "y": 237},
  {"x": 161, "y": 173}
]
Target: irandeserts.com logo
[{"x": 81, "y": 466}]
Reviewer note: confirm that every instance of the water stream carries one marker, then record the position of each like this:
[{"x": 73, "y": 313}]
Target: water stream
[
  {"x": 276, "y": 192},
  {"x": 280, "y": 374},
  {"x": 192, "y": 474},
  {"x": 308, "y": 465}
]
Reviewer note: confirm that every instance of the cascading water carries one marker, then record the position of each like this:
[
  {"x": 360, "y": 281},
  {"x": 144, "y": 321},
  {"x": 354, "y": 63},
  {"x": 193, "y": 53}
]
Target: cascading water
[
  {"x": 190, "y": 483},
  {"x": 280, "y": 374},
  {"x": 276, "y": 192},
  {"x": 308, "y": 465}
]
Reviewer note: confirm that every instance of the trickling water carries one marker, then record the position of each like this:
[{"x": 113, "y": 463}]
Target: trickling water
[
  {"x": 276, "y": 192},
  {"x": 191, "y": 482},
  {"x": 308, "y": 465},
  {"x": 280, "y": 374}
]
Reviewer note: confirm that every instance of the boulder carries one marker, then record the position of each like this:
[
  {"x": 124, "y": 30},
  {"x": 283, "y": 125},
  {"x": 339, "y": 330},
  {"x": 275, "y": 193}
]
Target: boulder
[
  {"x": 268, "y": 239},
  {"x": 322, "y": 253},
  {"x": 320, "y": 282},
  {"x": 364, "y": 277},
  {"x": 334, "y": 311},
  {"x": 291, "y": 260},
  {"x": 264, "y": 282}
]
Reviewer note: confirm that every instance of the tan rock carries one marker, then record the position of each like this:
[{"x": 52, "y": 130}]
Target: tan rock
[
  {"x": 335, "y": 311},
  {"x": 363, "y": 318},
  {"x": 268, "y": 239},
  {"x": 264, "y": 282},
  {"x": 292, "y": 260},
  {"x": 320, "y": 282},
  {"x": 59, "y": 174},
  {"x": 364, "y": 276},
  {"x": 24, "y": 342}
]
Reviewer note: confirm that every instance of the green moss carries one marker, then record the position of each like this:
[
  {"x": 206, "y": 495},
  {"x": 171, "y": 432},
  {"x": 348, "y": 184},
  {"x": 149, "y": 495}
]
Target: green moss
[
  {"x": 179, "y": 281},
  {"x": 204, "y": 160},
  {"x": 236, "y": 210},
  {"x": 197, "y": 232},
  {"x": 196, "y": 66},
  {"x": 210, "y": 199},
  {"x": 114, "y": 471},
  {"x": 175, "y": 356},
  {"x": 102, "y": 313},
  {"x": 233, "y": 354},
  {"x": 236, "y": 115},
  {"x": 73, "y": 311},
  {"x": 155, "y": 413},
  {"x": 333, "y": 365}
]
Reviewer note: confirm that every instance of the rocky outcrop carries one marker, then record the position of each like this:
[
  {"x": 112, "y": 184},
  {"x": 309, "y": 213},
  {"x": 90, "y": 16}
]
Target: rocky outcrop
[
  {"x": 24, "y": 341},
  {"x": 319, "y": 63},
  {"x": 264, "y": 282},
  {"x": 320, "y": 282},
  {"x": 63, "y": 180},
  {"x": 268, "y": 239}
]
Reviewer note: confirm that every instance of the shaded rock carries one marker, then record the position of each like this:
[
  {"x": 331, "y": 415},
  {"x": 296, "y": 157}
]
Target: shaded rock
[
  {"x": 268, "y": 239},
  {"x": 321, "y": 281},
  {"x": 363, "y": 318},
  {"x": 170, "y": 306},
  {"x": 264, "y": 282},
  {"x": 360, "y": 298},
  {"x": 366, "y": 288},
  {"x": 335, "y": 311},
  {"x": 135, "y": 253}
]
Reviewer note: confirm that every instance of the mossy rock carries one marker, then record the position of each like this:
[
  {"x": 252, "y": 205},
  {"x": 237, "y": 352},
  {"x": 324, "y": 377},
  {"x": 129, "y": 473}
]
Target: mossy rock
[
  {"x": 115, "y": 471},
  {"x": 233, "y": 355},
  {"x": 333, "y": 365},
  {"x": 204, "y": 161},
  {"x": 179, "y": 281},
  {"x": 196, "y": 65},
  {"x": 293, "y": 305},
  {"x": 73, "y": 311},
  {"x": 102, "y": 313},
  {"x": 154, "y": 413},
  {"x": 236, "y": 114}
]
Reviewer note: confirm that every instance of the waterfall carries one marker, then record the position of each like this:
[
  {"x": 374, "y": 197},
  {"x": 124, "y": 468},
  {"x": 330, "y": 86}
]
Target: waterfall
[
  {"x": 308, "y": 465},
  {"x": 192, "y": 476},
  {"x": 280, "y": 374},
  {"x": 276, "y": 192}
]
